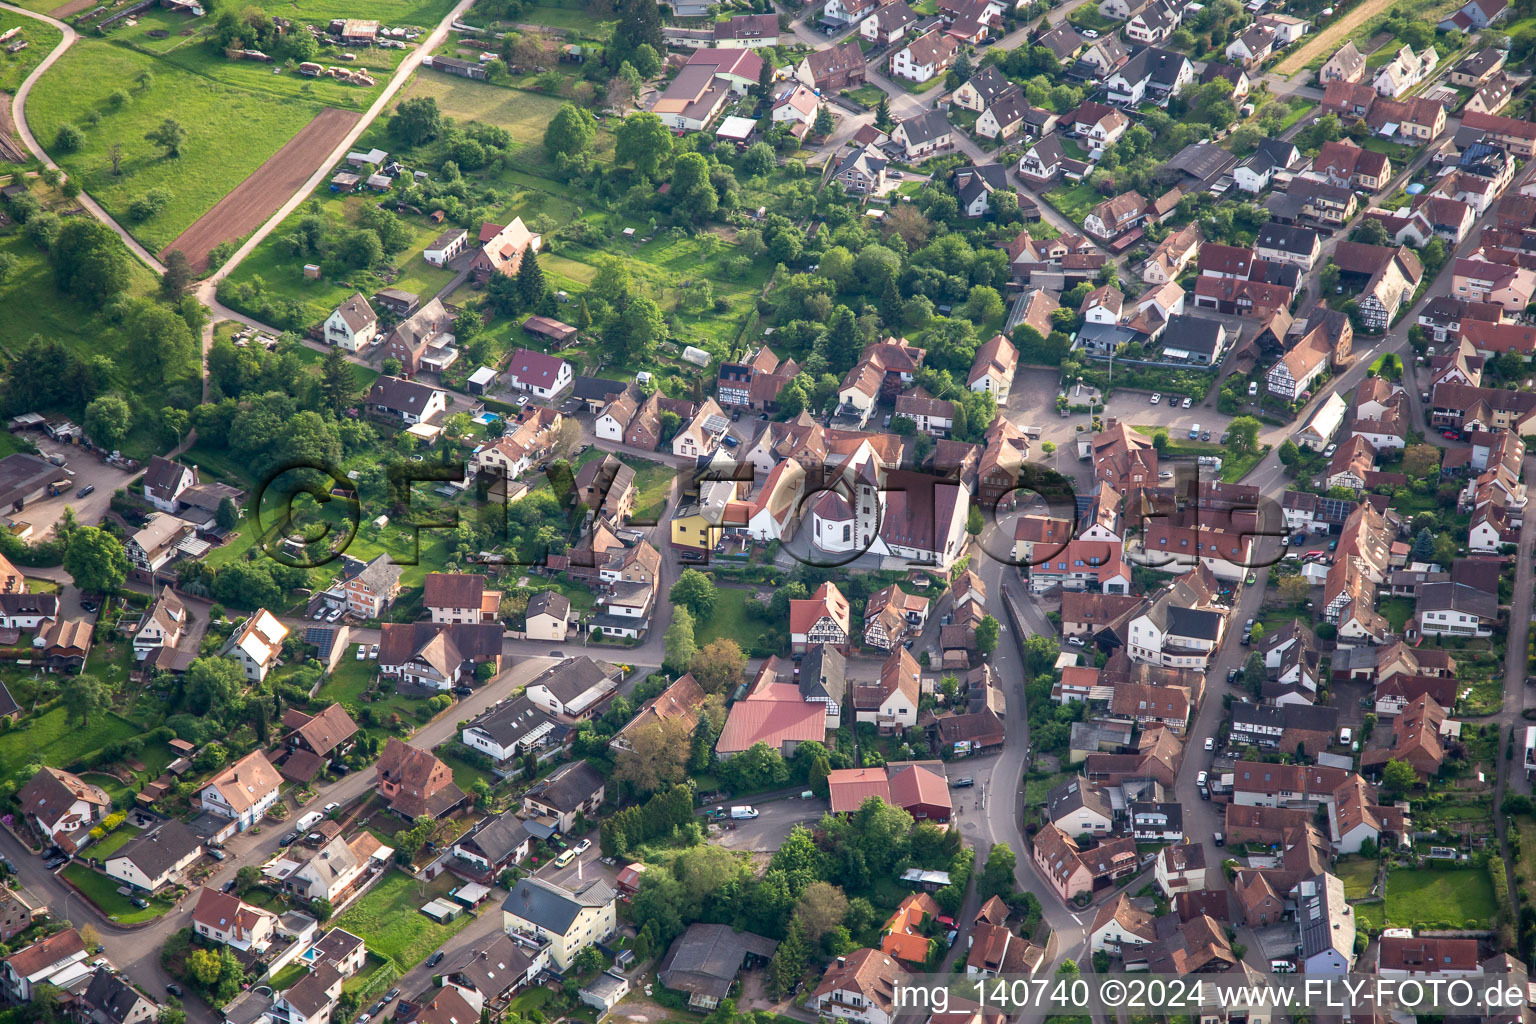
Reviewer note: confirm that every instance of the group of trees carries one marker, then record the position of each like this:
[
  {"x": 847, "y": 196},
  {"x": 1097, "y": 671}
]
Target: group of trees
[
  {"x": 815, "y": 894},
  {"x": 254, "y": 29}
]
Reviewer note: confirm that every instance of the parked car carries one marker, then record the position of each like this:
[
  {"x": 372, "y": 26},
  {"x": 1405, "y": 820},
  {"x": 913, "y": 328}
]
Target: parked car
[
  {"x": 87, "y": 489},
  {"x": 175, "y": 989},
  {"x": 964, "y": 782},
  {"x": 389, "y": 996},
  {"x": 583, "y": 846},
  {"x": 1075, "y": 641},
  {"x": 1450, "y": 435},
  {"x": 1210, "y": 743},
  {"x": 89, "y": 606},
  {"x": 1186, "y": 402},
  {"x": 362, "y": 652},
  {"x": 1231, "y": 675},
  {"x": 435, "y": 959},
  {"x": 1157, "y": 398},
  {"x": 373, "y": 652},
  {"x": 1328, "y": 452},
  {"x": 1090, "y": 33},
  {"x": 217, "y": 854},
  {"x": 1253, "y": 388},
  {"x": 464, "y": 691},
  {"x": 140, "y": 902},
  {"x": 289, "y": 839}
]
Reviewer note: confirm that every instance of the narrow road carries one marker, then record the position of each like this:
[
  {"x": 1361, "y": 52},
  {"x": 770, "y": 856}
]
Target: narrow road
[
  {"x": 1509, "y": 717},
  {"x": 19, "y": 115},
  {"x": 137, "y": 951},
  {"x": 405, "y": 70}
]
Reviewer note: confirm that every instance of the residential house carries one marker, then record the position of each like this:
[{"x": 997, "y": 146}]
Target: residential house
[
  {"x": 1405, "y": 70},
  {"x": 1346, "y": 65},
  {"x": 62, "y": 807},
  {"x": 572, "y": 790},
  {"x": 929, "y": 54},
  {"x": 537, "y": 373},
  {"x": 1115, "y": 217},
  {"x": 165, "y": 482},
  {"x": 415, "y": 782},
  {"x": 438, "y": 656},
  {"x": 352, "y": 326},
  {"x": 833, "y": 69},
  {"x": 257, "y": 645},
  {"x": 1253, "y": 45},
  {"x": 923, "y": 135},
  {"x": 576, "y": 689},
  {"x": 1475, "y": 15},
  {"x": 451, "y": 598},
  {"x": 111, "y": 998},
  {"x": 372, "y": 588},
  {"x": 859, "y": 988},
  {"x": 423, "y": 339},
  {"x": 570, "y": 920},
  {"x": 242, "y": 792},
  {"x": 888, "y": 24},
  {"x": 405, "y": 403},
  {"x": 156, "y": 857},
  {"x": 704, "y": 85}
]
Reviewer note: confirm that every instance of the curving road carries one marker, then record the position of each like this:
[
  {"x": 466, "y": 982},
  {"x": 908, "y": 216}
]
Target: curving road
[{"x": 19, "y": 115}]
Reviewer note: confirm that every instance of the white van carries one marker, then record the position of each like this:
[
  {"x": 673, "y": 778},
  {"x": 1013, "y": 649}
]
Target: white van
[
  {"x": 740, "y": 813},
  {"x": 310, "y": 820},
  {"x": 1194, "y": 432}
]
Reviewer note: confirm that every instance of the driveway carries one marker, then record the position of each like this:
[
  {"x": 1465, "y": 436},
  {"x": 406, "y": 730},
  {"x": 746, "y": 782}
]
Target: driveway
[
  {"x": 767, "y": 831},
  {"x": 87, "y": 468}
]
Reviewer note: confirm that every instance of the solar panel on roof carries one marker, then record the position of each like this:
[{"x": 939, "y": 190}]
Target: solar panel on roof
[{"x": 714, "y": 424}]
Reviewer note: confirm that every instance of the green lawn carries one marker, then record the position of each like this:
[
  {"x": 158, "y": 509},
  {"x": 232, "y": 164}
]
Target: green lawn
[
  {"x": 41, "y": 38},
  {"x": 464, "y": 773},
  {"x": 112, "y": 843},
  {"x": 286, "y": 977},
  {"x": 869, "y": 95},
  {"x": 390, "y": 921},
  {"x": 102, "y": 891},
  {"x": 653, "y": 483},
  {"x": 1371, "y": 915},
  {"x": 555, "y": 16},
  {"x": 1439, "y": 898},
  {"x": 1397, "y": 611},
  {"x": 1074, "y": 201},
  {"x": 51, "y": 739},
  {"x": 728, "y": 619},
  {"x": 84, "y": 329},
  {"x": 230, "y": 132},
  {"x": 1357, "y": 874},
  {"x": 524, "y": 114},
  {"x": 1300, "y": 108}
]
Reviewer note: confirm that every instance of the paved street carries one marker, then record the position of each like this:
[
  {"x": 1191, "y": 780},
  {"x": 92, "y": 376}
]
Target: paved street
[{"x": 137, "y": 951}]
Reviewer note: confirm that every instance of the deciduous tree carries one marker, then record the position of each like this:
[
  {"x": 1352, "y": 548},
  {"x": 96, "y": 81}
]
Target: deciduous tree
[
  {"x": 718, "y": 665},
  {"x": 169, "y": 135},
  {"x": 84, "y": 696},
  {"x": 657, "y": 756},
  {"x": 95, "y": 560},
  {"x": 107, "y": 421}
]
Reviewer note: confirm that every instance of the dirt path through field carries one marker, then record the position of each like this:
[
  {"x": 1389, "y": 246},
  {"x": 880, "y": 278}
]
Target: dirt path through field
[
  {"x": 256, "y": 198},
  {"x": 1332, "y": 37}
]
